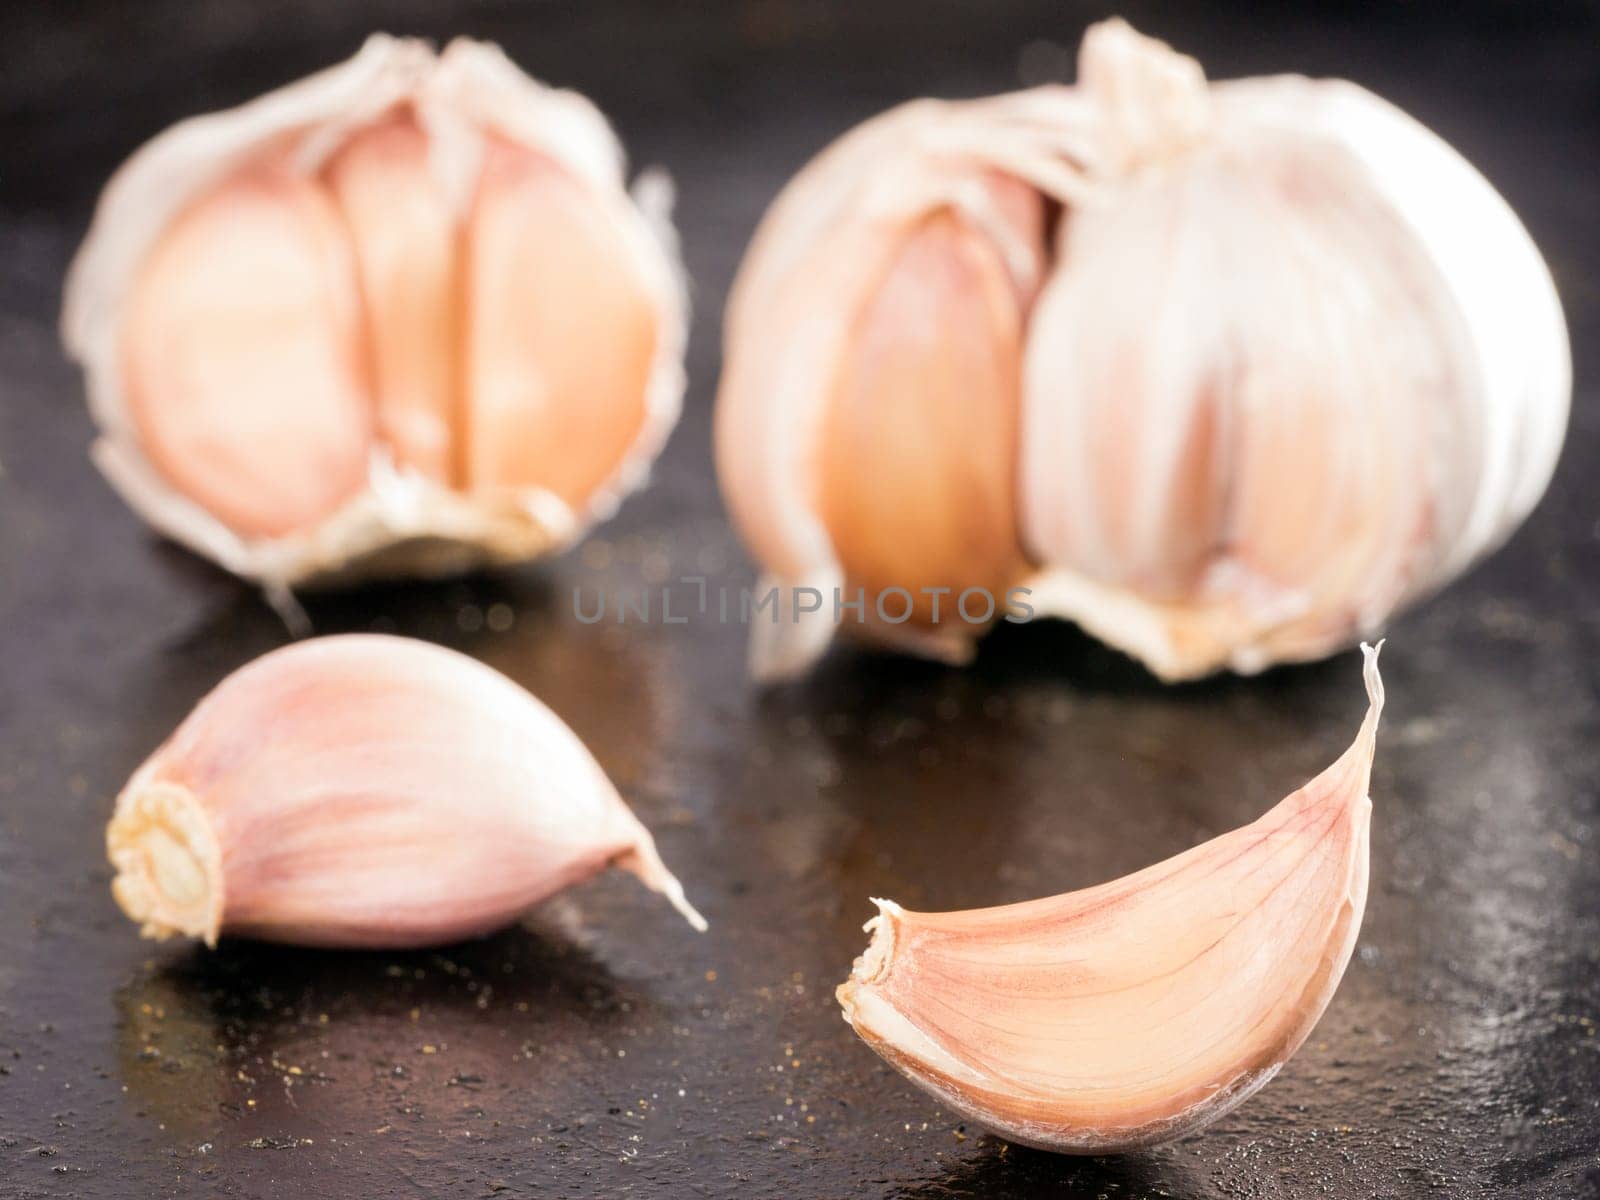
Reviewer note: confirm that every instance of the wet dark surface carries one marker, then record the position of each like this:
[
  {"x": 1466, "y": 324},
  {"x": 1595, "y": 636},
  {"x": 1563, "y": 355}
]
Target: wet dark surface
[{"x": 605, "y": 1050}]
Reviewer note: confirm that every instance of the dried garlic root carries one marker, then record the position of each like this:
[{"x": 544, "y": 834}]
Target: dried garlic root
[
  {"x": 1226, "y": 373},
  {"x": 398, "y": 318},
  {"x": 372, "y": 791},
  {"x": 1142, "y": 1009}
]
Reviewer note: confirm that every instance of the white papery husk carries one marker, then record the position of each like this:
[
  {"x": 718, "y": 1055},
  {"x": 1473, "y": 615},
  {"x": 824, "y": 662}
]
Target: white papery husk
[
  {"x": 402, "y": 523},
  {"x": 1141, "y": 116}
]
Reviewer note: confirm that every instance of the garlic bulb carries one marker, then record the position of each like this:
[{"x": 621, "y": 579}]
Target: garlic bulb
[
  {"x": 399, "y": 317},
  {"x": 1224, "y": 373},
  {"x": 365, "y": 790},
  {"x": 1142, "y": 1009}
]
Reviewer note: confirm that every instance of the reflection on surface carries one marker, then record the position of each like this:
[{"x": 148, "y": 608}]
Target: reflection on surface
[
  {"x": 1001, "y": 1169},
  {"x": 1051, "y": 764},
  {"x": 291, "y": 1041}
]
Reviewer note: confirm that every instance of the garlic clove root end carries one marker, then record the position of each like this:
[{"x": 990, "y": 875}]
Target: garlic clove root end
[{"x": 168, "y": 863}]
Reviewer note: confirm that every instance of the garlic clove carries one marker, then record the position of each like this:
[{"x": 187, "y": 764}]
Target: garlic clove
[
  {"x": 1237, "y": 494},
  {"x": 1519, "y": 376},
  {"x": 918, "y": 470},
  {"x": 561, "y": 333},
  {"x": 1142, "y": 1009},
  {"x": 796, "y": 369},
  {"x": 242, "y": 348},
  {"x": 366, "y": 790},
  {"x": 405, "y": 232}
]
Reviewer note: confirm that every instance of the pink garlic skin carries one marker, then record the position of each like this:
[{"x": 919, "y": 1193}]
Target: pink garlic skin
[{"x": 367, "y": 791}]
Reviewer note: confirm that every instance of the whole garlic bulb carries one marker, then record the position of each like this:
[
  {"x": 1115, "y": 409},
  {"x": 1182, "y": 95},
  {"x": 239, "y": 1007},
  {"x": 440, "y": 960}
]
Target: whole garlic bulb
[
  {"x": 365, "y": 790},
  {"x": 397, "y": 318},
  {"x": 1224, "y": 373}
]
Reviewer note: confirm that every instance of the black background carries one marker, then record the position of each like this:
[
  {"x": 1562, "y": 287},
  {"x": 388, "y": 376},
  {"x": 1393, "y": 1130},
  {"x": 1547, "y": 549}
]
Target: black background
[{"x": 605, "y": 1050}]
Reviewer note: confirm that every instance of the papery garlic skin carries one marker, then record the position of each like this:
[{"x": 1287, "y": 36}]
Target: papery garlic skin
[
  {"x": 1288, "y": 364},
  {"x": 325, "y": 382},
  {"x": 365, "y": 790},
  {"x": 1140, "y": 1010}
]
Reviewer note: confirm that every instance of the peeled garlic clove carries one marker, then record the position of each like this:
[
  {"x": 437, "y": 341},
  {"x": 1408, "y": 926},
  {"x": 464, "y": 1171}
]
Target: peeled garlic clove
[
  {"x": 1140, "y": 1010},
  {"x": 400, "y": 317},
  {"x": 1288, "y": 363},
  {"x": 404, "y": 231},
  {"x": 562, "y": 334},
  {"x": 241, "y": 357},
  {"x": 871, "y": 444},
  {"x": 919, "y": 477},
  {"x": 367, "y": 791}
]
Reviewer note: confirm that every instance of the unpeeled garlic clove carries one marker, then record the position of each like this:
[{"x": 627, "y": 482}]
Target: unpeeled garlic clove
[
  {"x": 398, "y": 318},
  {"x": 1142, "y": 1009},
  {"x": 1235, "y": 507},
  {"x": 365, "y": 790}
]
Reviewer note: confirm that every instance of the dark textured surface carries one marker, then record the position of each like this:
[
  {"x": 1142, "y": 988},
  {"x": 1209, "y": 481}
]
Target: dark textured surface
[{"x": 605, "y": 1050}]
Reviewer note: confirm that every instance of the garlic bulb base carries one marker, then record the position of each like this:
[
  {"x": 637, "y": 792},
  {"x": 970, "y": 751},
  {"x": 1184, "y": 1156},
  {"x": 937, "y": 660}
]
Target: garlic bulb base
[
  {"x": 405, "y": 526},
  {"x": 168, "y": 863},
  {"x": 1177, "y": 642}
]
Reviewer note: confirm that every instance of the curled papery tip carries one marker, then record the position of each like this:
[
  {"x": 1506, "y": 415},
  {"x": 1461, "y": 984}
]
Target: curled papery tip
[
  {"x": 1373, "y": 680},
  {"x": 689, "y": 912},
  {"x": 645, "y": 863}
]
